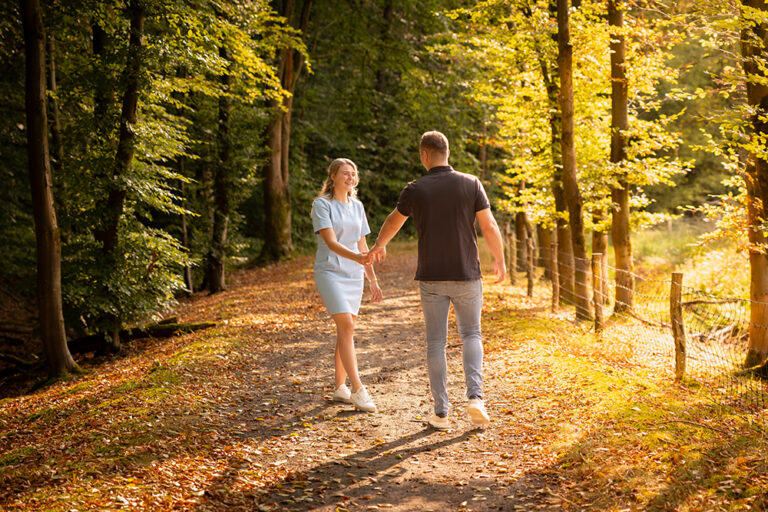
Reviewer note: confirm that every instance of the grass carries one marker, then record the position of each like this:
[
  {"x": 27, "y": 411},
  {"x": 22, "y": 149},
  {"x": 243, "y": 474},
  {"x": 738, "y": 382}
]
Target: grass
[{"x": 627, "y": 433}]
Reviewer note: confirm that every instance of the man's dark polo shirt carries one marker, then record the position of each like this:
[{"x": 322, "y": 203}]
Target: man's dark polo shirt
[{"x": 443, "y": 204}]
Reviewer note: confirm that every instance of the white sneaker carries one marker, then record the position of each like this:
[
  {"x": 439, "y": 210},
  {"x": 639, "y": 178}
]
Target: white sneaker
[
  {"x": 477, "y": 412},
  {"x": 341, "y": 394},
  {"x": 439, "y": 423},
  {"x": 362, "y": 400}
]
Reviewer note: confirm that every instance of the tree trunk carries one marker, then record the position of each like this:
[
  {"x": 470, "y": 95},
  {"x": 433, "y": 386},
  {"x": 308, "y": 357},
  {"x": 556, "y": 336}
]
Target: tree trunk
[
  {"x": 581, "y": 288},
  {"x": 522, "y": 248},
  {"x": 545, "y": 246},
  {"x": 189, "y": 283},
  {"x": 47, "y": 239},
  {"x": 564, "y": 256},
  {"x": 217, "y": 254},
  {"x": 108, "y": 232},
  {"x": 562, "y": 233},
  {"x": 56, "y": 143},
  {"x": 484, "y": 153},
  {"x": 620, "y": 230},
  {"x": 754, "y": 57},
  {"x": 600, "y": 246},
  {"x": 510, "y": 247},
  {"x": 113, "y": 211},
  {"x": 277, "y": 236},
  {"x": 102, "y": 97}
]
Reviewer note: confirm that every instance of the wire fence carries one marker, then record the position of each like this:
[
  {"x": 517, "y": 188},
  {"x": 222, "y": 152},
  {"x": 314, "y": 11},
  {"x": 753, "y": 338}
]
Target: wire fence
[{"x": 660, "y": 323}]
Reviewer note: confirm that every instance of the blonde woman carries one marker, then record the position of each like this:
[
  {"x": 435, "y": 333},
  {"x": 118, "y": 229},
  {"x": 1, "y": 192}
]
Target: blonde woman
[{"x": 339, "y": 222}]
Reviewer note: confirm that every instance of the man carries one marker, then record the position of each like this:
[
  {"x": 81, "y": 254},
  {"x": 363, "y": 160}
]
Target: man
[{"x": 444, "y": 205}]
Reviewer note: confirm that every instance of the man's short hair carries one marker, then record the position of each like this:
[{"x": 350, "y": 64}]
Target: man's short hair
[{"x": 434, "y": 142}]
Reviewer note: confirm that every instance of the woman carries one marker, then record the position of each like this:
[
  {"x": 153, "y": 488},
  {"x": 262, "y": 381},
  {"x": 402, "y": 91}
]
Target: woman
[{"x": 339, "y": 221}]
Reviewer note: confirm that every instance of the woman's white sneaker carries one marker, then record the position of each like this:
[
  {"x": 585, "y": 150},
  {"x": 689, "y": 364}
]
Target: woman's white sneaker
[
  {"x": 362, "y": 400},
  {"x": 342, "y": 394}
]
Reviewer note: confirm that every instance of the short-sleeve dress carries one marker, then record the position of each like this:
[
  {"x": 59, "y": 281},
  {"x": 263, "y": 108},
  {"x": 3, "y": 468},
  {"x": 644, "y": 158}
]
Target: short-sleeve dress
[{"x": 339, "y": 280}]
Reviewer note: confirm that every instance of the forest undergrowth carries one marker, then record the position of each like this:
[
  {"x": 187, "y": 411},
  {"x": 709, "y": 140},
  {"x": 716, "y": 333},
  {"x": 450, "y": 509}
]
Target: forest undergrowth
[{"x": 238, "y": 416}]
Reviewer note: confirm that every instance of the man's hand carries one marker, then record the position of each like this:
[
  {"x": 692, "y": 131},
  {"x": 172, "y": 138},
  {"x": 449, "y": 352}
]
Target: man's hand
[
  {"x": 500, "y": 269},
  {"x": 377, "y": 254}
]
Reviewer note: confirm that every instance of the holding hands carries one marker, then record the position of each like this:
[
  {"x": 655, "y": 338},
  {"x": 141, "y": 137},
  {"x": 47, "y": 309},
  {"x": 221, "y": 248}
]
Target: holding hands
[{"x": 377, "y": 254}]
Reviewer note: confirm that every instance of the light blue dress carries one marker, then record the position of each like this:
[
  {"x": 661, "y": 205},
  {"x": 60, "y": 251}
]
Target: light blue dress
[{"x": 339, "y": 280}]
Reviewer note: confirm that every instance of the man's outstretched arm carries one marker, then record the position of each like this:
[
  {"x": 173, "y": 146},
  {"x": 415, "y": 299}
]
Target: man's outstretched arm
[
  {"x": 495, "y": 243},
  {"x": 389, "y": 229}
]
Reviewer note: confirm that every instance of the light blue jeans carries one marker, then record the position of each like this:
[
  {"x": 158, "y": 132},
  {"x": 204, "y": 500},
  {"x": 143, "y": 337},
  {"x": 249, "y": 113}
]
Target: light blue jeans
[{"x": 467, "y": 299}]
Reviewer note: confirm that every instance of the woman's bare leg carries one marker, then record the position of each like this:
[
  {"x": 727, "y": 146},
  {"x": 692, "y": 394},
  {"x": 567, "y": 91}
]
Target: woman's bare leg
[{"x": 345, "y": 348}]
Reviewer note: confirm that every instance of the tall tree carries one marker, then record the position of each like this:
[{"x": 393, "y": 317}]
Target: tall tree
[
  {"x": 46, "y": 228},
  {"x": 221, "y": 188},
  {"x": 754, "y": 41},
  {"x": 570, "y": 182},
  {"x": 620, "y": 231},
  {"x": 277, "y": 202}
]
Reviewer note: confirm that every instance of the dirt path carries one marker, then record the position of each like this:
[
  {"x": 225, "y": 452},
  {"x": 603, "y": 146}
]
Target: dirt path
[
  {"x": 238, "y": 417},
  {"x": 339, "y": 458}
]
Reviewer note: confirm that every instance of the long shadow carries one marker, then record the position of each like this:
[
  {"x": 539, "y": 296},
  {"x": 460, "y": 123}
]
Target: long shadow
[{"x": 365, "y": 476}]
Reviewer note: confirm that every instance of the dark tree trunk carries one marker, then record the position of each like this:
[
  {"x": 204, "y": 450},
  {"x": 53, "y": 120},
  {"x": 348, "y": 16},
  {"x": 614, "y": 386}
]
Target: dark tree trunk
[
  {"x": 108, "y": 232},
  {"x": 113, "y": 211},
  {"x": 221, "y": 190},
  {"x": 754, "y": 44},
  {"x": 47, "y": 238},
  {"x": 545, "y": 247},
  {"x": 57, "y": 150},
  {"x": 620, "y": 231},
  {"x": 102, "y": 97},
  {"x": 564, "y": 256},
  {"x": 581, "y": 288},
  {"x": 189, "y": 282},
  {"x": 522, "y": 248},
  {"x": 278, "y": 243},
  {"x": 484, "y": 153}
]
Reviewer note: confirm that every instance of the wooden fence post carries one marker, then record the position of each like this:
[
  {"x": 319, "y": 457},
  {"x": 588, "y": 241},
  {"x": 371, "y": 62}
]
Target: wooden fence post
[
  {"x": 554, "y": 272},
  {"x": 678, "y": 327},
  {"x": 597, "y": 291}
]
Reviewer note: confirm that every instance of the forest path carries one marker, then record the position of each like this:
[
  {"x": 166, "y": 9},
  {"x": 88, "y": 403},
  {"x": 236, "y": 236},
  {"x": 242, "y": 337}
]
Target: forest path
[
  {"x": 238, "y": 417},
  {"x": 336, "y": 457}
]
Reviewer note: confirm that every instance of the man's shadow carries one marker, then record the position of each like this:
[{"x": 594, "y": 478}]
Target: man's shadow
[{"x": 338, "y": 480}]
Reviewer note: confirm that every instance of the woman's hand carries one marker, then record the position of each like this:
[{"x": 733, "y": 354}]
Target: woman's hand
[
  {"x": 376, "y": 294},
  {"x": 361, "y": 258}
]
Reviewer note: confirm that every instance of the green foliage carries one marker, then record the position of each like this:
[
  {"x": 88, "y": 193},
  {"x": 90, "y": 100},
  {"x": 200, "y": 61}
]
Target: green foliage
[{"x": 513, "y": 46}]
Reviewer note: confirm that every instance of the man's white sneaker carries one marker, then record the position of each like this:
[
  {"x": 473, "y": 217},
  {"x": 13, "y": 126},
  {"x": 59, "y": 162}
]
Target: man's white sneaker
[
  {"x": 477, "y": 412},
  {"x": 342, "y": 394},
  {"x": 439, "y": 423},
  {"x": 362, "y": 400}
]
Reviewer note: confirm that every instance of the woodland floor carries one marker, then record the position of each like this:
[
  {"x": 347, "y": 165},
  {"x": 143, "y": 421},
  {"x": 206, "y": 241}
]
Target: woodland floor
[{"x": 238, "y": 417}]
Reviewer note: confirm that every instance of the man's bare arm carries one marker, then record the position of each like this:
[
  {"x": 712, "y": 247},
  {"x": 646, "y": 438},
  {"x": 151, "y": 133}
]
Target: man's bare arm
[
  {"x": 492, "y": 236},
  {"x": 389, "y": 229}
]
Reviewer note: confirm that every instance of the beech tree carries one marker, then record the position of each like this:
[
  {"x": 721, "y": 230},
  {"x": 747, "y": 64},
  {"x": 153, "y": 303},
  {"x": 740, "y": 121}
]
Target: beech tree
[
  {"x": 46, "y": 228},
  {"x": 570, "y": 181},
  {"x": 620, "y": 227},
  {"x": 754, "y": 45},
  {"x": 277, "y": 200}
]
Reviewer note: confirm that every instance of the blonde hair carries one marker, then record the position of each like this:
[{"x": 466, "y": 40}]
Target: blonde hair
[{"x": 327, "y": 188}]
